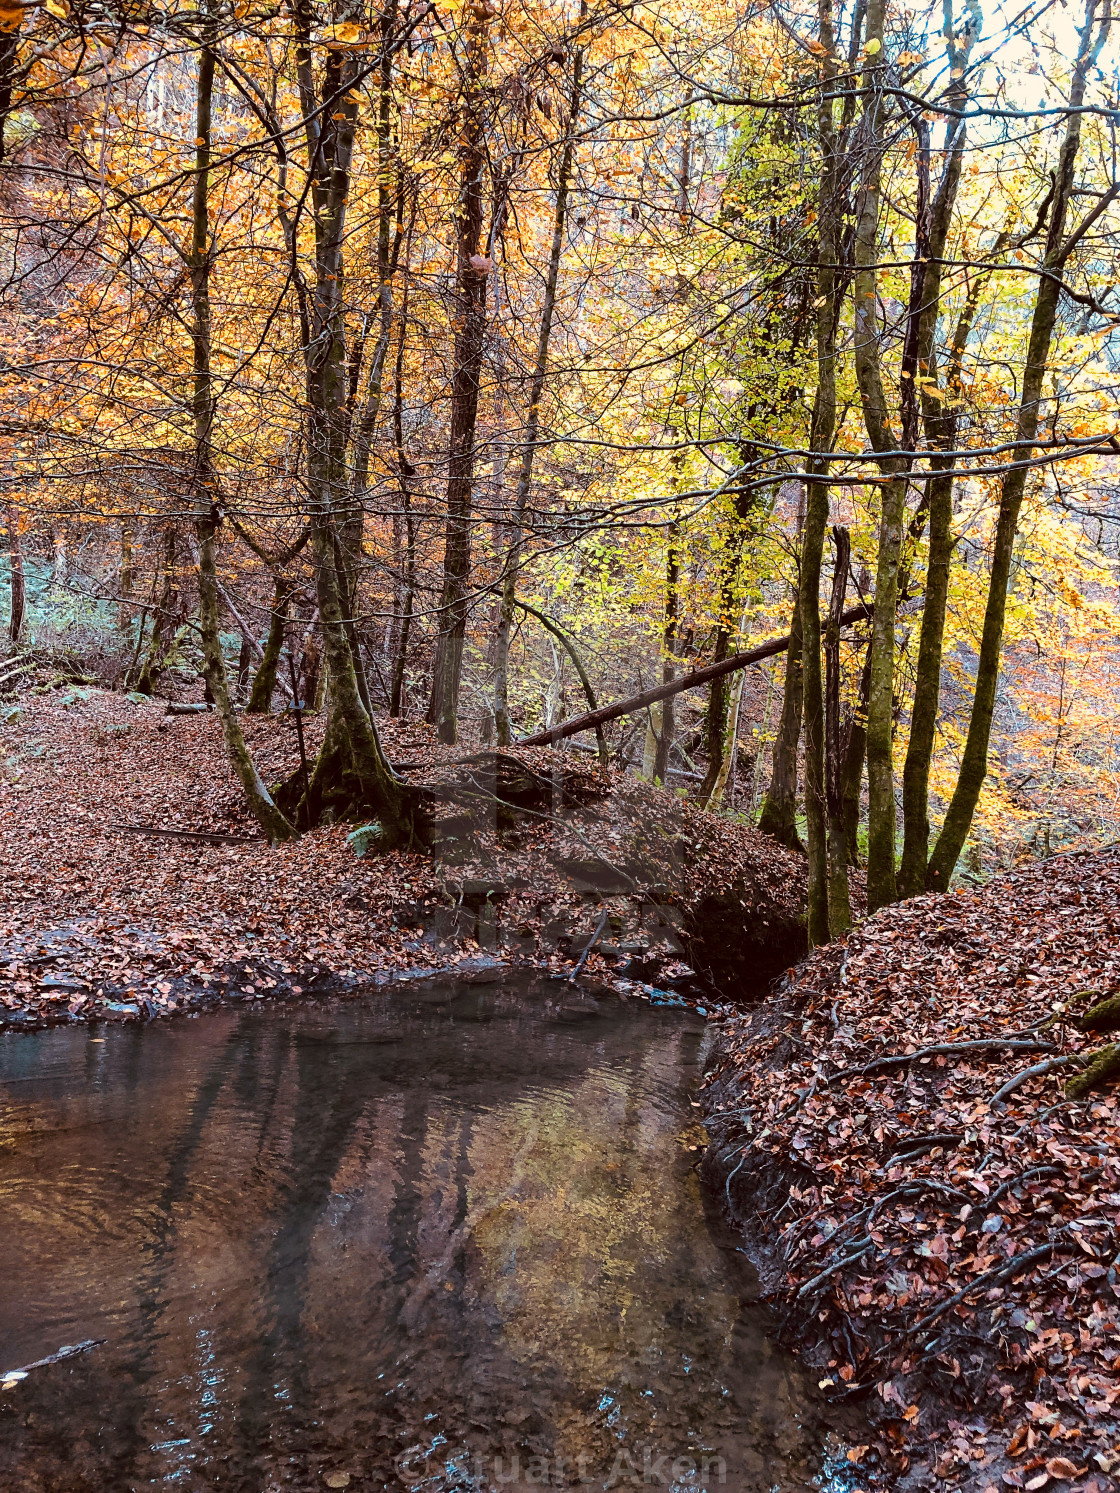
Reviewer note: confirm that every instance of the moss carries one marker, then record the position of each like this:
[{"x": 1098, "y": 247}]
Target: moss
[
  {"x": 1103, "y": 1017},
  {"x": 1102, "y": 1067}
]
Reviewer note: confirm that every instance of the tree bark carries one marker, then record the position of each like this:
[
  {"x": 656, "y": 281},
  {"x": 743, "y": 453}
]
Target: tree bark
[
  {"x": 470, "y": 328},
  {"x": 839, "y": 902},
  {"x": 941, "y": 421},
  {"x": 351, "y": 777},
  {"x": 667, "y": 728},
  {"x": 817, "y": 502},
  {"x": 881, "y": 816},
  {"x": 779, "y": 809},
  {"x": 15, "y": 566},
  {"x": 264, "y": 684},
  {"x": 275, "y": 826},
  {"x": 504, "y": 628}
]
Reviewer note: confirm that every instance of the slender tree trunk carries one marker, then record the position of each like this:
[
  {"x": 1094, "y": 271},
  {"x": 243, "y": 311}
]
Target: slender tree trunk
[
  {"x": 779, "y": 810},
  {"x": 817, "y": 503},
  {"x": 941, "y": 424},
  {"x": 18, "y": 586},
  {"x": 880, "y": 709},
  {"x": 719, "y": 697},
  {"x": 974, "y": 761},
  {"x": 267, "y": 815},
  {"x": 264, "y": 685},
  {"x": 504, "y": 629},
  {"x": 668, "y": 670},
  {"x": 406, "y": 578},
  {"x": 351, "y": 776},
  {"x": 855, "y": 751},
  {"x": 124, "y": 585},
  {"x": 472, "y": 269},
  {"x": 839, "y": 902}
]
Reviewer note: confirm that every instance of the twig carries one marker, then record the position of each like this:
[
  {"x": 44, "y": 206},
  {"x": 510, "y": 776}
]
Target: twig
[
  {"x": 68, "y": 1350},
  {"x": 1036, "y": 1071},
  {"x": 981, "y": 1044},
  {"x": 848, "y": 1259},
  {"x": 594, "y": 939}
]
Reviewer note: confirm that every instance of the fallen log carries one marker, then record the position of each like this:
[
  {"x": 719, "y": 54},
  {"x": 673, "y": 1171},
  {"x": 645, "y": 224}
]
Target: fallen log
[{"x": 595, "y": 718}]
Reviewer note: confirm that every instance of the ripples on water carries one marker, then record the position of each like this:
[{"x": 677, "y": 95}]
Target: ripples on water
[{"x": 446, "y": 1239}]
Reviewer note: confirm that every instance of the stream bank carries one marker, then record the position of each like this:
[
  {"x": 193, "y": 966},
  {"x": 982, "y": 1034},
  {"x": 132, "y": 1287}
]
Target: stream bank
[
  {"x": 137, "y": 887},
  {"x": 934, "y": 1221}
]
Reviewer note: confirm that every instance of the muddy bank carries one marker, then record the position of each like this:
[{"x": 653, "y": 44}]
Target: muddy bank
[
  {"x": 136, "y": 886},
  {"x": 934, "y": 1220}
]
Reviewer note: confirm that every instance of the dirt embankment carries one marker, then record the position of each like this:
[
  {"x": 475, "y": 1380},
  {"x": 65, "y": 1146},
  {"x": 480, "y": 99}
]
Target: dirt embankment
[
  {"x": 935, "y": 1220},
  {"x": 135, "y": 887}
]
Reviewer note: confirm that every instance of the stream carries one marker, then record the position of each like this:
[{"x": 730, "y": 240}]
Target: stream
[{"x": 449, "y": 1237}]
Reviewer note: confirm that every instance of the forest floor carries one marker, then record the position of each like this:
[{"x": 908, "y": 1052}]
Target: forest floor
[
  {"x": 135, "y": 884},
  {"x": 953, "y": 1257},
  {"x": 951, "y": 1253}
]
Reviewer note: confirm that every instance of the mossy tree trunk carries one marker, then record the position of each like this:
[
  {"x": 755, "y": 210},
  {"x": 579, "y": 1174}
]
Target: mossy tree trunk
[
  {"x": 817, "y": 501},
  {"x": 881, "y": 887},
  {"x": 472, "y": 270},
  {"x": 779, "y": 809},
  {"x": 839, "y": 902},
  {"x": 1059, "y": 246},
  {"x": 941, "y": 421},
  {"x": 351, "y": 777},
  {"x": 264, "y": 683},
  {"x": 274, "y": 824}
]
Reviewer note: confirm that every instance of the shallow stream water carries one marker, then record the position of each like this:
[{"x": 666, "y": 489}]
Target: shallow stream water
[{"x": 446, "y": 1238}]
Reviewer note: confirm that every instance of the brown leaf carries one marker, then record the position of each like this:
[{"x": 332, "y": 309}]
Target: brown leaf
[{"x": 1062, "y": 1467}]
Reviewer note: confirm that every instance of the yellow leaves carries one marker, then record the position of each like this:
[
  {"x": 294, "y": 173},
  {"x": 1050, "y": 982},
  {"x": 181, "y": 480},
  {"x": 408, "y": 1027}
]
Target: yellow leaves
[
  {"x": 342, "y": 34},
  {"x": 57, "y": 8},
  {"x": 11, "y": 17},
  {"x": 873, "y": 47}
]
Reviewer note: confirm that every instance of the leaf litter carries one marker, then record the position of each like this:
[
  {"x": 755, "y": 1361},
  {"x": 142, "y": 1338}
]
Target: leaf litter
[{"x": 951, "y": 1254}]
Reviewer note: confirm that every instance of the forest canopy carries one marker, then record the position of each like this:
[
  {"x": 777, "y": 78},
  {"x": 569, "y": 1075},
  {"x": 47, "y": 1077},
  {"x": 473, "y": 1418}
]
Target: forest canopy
[{"x": 487, "y": 363}]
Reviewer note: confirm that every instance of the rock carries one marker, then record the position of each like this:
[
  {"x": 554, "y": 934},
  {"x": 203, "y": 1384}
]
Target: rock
[
  {"x": 60, "y": 982},
  {"x": 595, "y": 875},
  {"x": 121, "y": 1008},
  {"x": 475, "y": 889}
]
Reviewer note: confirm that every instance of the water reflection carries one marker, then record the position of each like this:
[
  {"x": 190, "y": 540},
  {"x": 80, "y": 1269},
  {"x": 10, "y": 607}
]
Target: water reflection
[{"x": 449, "y": 1239}]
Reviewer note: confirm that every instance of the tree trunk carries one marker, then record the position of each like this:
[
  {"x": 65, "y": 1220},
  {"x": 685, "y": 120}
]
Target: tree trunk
[
  {"x": 470, "y": 328},
  {"x": 941, "y": 423},
  {"x": 974, "y": 762},
  {"x": 719, "y": 697},
  {"x": 504, "y": 630},
  {"x": 264, "y": 685},
  {"x": 779, "y": 809},
  {"x": 667, "y": 729},
  {"x": 839, "y": 902},
  {"x": 124, "y": 585},
  {"x": 855, "y": 751},
  {"x": 817, "y": 502},
  {"x": 258, "y": 798},
  {"x": 880, "y": 706},
  {"x": 405, "y": 579},
  {"x": 18, "y": 585},
  {"x": 351, "y": 777}
]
